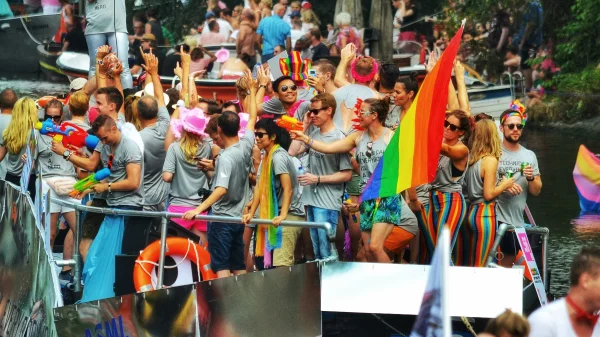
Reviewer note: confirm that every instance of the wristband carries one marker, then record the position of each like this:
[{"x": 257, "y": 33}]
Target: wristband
[
  {"x": 532, "y": 179},
  {"x": 109, "y": 191},
  {"x": 318, "y": 180},
  {"x": 310, "y": 142}
]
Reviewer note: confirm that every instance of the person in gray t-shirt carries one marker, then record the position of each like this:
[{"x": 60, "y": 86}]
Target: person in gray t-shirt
[
  {"x": 512, "y": 202},
  {"x": 324, "y": 185},
  {"x": 155, "y": 122}
]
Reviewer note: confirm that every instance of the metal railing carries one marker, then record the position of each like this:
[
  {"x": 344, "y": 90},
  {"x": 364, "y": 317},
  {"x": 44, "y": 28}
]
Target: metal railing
[{"x": 76, "y": 261}]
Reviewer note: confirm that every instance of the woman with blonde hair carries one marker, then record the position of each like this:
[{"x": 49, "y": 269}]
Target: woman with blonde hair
[
  {"x": 14, "y": 141},
  {"x": 482, "y": 190},
  {"x": 180, "y": 167},
  {"x": 264, "y": 8},
  {"x": 131, "y": 112},
  {"x": 309, "y": 20},
  {"x": 508, "y": 324}
]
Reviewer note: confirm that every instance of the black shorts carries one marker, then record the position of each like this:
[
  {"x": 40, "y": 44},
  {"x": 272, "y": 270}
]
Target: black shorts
[
  {"x": 526, "y": 53},
  {"x": 226, "y": 246},
  {"x": 92, "y": 221},
  {"x": 510, "y": 244}
]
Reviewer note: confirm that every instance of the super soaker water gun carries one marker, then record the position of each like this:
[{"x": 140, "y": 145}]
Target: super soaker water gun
[
  {"x": 90, "y": 181},
  {"x": 72, "y": 136},
  {"x": 290, "y": 123}
]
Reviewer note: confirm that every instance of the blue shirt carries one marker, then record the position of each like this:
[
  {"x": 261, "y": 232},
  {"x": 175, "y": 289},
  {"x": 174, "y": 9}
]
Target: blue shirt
[
  {"x": 274, "y": 32},
  {"x": 534, "y": 16}
]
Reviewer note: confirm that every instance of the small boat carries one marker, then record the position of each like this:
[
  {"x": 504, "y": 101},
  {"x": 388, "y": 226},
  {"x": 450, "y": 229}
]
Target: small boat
[
  {"x": 76, "y": 65},
  {"x": 586, "y": 175},
  {"x": 20, "y": 37},
  {"x": 47, "y": 61}
]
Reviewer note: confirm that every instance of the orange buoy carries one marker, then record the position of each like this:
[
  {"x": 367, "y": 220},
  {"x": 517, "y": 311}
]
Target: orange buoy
[
  {"x": 175, "y": 246},
  {"x": 44, "y": 100}
]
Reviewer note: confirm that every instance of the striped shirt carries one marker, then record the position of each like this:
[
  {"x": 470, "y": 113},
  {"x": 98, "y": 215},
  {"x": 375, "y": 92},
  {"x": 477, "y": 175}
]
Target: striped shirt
[{"x": 274, "y": 32}]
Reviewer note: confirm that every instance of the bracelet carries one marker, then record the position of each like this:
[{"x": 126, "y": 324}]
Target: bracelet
[
  {"x": 532, "y": 179},
  {"x": 318, "y": 180},
  {"x": 310, "y": 142},
  {"x": 109, "y": 191},
  {"x": 69, "y": 156},
  {"x": 262, "y": 86}
]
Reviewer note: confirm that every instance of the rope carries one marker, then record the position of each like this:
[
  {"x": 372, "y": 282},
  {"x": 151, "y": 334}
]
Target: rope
[
  {"x": 28, "y": 33},
  {"x": 152, "y": 279}
]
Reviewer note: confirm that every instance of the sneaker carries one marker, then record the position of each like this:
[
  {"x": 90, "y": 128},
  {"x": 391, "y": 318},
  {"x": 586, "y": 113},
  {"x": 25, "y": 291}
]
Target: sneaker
[{"x": 65, "y": 278}]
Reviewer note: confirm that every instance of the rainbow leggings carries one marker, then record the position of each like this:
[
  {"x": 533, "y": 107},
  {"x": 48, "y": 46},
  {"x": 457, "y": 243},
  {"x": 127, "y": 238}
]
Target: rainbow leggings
[
  {"x": 482, "y": 222},
  {"x": 445, "y": 209},
  {"x": 426, "y": 243}
]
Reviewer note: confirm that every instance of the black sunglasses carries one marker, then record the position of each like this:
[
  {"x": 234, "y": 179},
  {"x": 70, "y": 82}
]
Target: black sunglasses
[
  {"x": 260, "y": 134},
  {"x": 54, "y": 118},
  {"x": 512, "y": 126},
  {"x": 369, "y": 149},
  {"x": 316, "y": 111},
  {"x": 451, "y": 126},
  {"x": 285, "y": 88}
]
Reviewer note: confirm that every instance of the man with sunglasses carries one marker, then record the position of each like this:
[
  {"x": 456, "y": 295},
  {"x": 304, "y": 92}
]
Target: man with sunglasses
[{"x": 512, "y": 202}]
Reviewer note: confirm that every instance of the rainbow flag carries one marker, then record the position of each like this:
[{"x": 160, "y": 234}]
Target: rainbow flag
[
  {"x": 587, "y": 180},
  {"x": 412, "y": 155}
]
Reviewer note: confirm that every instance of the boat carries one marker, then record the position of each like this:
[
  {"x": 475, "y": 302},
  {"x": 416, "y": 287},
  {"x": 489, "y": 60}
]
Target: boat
[
  {"x": 47, "y": 62},
  {"x": 20, "y": 36},
  {"x": 484, "y": 97},
  {"x": 75, "y": 65}
]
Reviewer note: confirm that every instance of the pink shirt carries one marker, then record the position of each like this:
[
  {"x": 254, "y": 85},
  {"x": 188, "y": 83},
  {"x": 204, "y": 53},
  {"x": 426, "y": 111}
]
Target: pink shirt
[
  {"x": 211, "y": 38},
  {"x": 199, "y": 65}
]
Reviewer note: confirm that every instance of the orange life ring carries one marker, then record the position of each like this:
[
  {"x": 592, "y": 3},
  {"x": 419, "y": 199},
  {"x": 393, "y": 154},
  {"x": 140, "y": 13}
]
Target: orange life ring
[
  {"x": 44, "y": 100},
  {"x": 175, "y": 246}
]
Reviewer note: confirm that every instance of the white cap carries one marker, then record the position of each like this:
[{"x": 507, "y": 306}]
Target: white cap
[
  {"x": 149, "y": 90},
  {"x": 77, "y": 84}
]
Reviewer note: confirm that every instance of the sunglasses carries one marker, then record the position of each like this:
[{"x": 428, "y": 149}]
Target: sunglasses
[
  {"x": 54, "y": 118},
  {"x": 365, "y": 112},
  {"x": 260, "y": 134},
  {"x": 513, "y": 126},
  {"x": 111, "y": 157},
  {"x": 369, "y": 149},
  {"x": 316, "y": 111},
  {"x": 451, "y": 126},
  {"x": 285, "y": 88}
]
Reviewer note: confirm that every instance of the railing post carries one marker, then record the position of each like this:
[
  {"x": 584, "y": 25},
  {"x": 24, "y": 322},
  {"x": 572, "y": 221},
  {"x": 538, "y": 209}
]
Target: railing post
[
  {"x": 76, "y": 255},
  {"x": 545, "y": 258},
  {"x": 499, "y": 235},
  {"x": 163, "y": 249}
]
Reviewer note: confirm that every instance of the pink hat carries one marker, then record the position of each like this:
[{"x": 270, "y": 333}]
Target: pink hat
[
  {"x": 244, "y": 117},
  {"x": 222, "y": 55},
  {"x": 193, "y": 121},
  {"x": 306, "y": 5}
]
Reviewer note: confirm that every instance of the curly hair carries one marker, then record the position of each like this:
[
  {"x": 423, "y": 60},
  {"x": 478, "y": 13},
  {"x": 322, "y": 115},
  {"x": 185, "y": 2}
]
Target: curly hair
[{"x": 24, "y": 117}]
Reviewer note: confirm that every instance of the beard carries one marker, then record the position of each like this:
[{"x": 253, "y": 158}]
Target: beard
[{"x": 510, "y": 138}]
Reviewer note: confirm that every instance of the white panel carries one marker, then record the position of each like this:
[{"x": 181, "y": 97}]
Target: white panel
[{"x": 398, "y": 289}]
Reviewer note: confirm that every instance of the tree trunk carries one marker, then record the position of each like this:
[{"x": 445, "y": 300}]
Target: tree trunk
[
  {"x": 352, "y": 7},
  {"x": 381, "y": 19}
]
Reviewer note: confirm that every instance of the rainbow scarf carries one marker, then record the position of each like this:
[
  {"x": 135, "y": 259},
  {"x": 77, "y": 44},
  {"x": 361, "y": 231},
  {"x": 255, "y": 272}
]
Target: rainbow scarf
[
  {"x": 587, "y": 180},
  {"x": 411, "y": 158},
  {"x": 268, "y": 237}
]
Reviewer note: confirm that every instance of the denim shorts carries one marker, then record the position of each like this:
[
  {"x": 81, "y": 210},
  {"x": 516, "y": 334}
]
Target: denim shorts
[{"x": 226, "y": 246}]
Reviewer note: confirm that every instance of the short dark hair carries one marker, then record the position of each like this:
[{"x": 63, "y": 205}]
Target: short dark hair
[
  {"x": 380, "y": 106},
  {"x": 113, "y": 95},
  {"x": 410, "y": 83},
  {"x": 217, "y": 11},
  {"x": 279, "y": 80},
  {"x": 211, "y": 25},
  {"x": 316, "y": 33},
  {"x": 8, "y": 98},
  {"x": 147, "y": 108},
  {"x": 186, "y": 48},
  {"x": 327, "y": 101},
  {"x": 140, "y": 17},
  {"x": 227, "y": 12},
  {"x": 513, "y": 50},
  {"x": 211, "y": 126},
  {"x": 213, "y": 107},
  {"x": 388, "y": 74},
  {"x": 504, "y": 113},
  {"x": 197, "y": 54},
  {"x": 231, "y": 103},
  {"x": 229, "y": 122},
  {"x": 586, "y": 261},
  {"x": 325, "y": 66},
  {"x": 152, "y": 13},
  {"x": 173, "y": 98},
  {"x": 102, "y": 121},
  {"x": 282, "y": 137}
]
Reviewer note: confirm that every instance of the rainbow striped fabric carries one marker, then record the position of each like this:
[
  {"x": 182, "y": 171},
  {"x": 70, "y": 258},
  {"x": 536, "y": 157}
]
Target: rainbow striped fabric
[
  {"x": 587, "y": 180},
  {"x": 412, "y": 155},
  {"x": 268, "y": 237},
  {"x": 295, "y": 67}
]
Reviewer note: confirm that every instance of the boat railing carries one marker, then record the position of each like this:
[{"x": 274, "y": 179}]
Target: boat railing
[{"x": 75, "y": 262}]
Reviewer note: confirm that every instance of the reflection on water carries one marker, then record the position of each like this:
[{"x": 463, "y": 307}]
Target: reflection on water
[{"x": 557, "y": 207}]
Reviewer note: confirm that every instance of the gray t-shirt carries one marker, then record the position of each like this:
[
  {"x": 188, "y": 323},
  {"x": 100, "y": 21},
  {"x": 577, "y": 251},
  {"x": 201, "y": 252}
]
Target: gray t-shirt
[
  {"x": 155, "y": 188},
  {"x": 408, "y": 220},
  {"x": 369, "y": 153},
  {"x": 14, "y": 164},
  {"x": 510, "y": 208},
  {"x": 474, "y": 184},
  {"x": 327, "y": 196},
  {"x": 126, "y": 152},
  {"x": 187, "y": 178},
  {"x": 444, "y": 182},
  {"x": 4, "y": 121},
  {"x": 283, "y": 164},
  {"x": 52, "y": 164},
  {"x": 348, "y": 95},
  {"x": 105, "y": 16},
  {"x": 231, "y": 172}
]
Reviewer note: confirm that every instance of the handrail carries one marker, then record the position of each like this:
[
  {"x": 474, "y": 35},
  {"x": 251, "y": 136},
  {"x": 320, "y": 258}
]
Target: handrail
[{"x": 163, "y": 230}]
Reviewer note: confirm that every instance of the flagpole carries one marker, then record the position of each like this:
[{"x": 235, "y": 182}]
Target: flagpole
[{"x": 446, "y": 323}]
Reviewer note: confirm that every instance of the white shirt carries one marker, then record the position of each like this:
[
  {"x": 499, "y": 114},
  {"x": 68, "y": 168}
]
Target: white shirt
[
  {"x": 553, "y": 320},
  {"x": 296, "y": 34},
  {"x": 224, "y": 28}
]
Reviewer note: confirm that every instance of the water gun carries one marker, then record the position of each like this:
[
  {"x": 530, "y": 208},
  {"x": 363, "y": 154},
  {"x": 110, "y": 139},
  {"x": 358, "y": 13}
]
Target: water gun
[
  {"x": 290, "y": 123},
  {"x": 90, "y": 181},
  {"x": 349, "y": 201},
  {"x": 72, "y": 136}
]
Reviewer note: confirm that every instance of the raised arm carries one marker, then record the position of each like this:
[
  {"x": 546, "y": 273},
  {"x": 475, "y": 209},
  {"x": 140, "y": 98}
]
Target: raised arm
[
  {"x": 348, "y": 54},
  {"x": 101, "y": 67},
  {"x": 253, "y": 110},
  {"x": 151, "y": 67},
  {"x": 455, "y": 152},
  {"x": 461, "y": 86},
  {"x": 339, "y": 146}
]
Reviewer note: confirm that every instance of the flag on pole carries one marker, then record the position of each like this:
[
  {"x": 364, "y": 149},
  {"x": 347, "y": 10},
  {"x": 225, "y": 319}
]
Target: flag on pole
[
  {"x": 434, "y": 319},
  {"x": 412, "y": 155}
]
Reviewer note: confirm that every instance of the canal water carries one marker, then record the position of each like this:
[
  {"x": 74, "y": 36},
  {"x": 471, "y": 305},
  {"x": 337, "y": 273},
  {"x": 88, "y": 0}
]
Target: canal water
[{"x": 557, "y": 207}]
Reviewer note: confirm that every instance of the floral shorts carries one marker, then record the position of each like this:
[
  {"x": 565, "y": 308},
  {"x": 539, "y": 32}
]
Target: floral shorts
[{"x": 388, "y": 211}]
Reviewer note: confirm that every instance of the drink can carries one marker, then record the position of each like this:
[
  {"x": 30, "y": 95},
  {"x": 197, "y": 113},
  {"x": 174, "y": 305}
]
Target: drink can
[
  {"x": 523, "y": 166},
  {"x": 509, "y": 174}
]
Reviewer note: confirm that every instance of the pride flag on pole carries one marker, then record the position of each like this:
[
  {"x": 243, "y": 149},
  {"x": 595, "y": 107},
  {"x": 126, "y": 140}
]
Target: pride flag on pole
[
  {"x": 434, "y": 319},
  {"x": 412, "y": 155}
]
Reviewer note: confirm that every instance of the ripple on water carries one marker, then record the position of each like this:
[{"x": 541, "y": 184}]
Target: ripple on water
[{"x": 33, "y": 88}]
